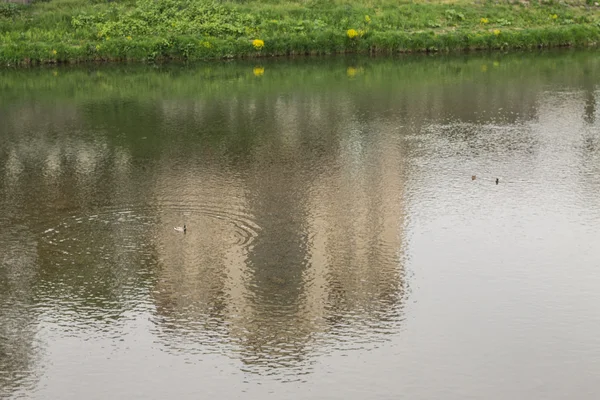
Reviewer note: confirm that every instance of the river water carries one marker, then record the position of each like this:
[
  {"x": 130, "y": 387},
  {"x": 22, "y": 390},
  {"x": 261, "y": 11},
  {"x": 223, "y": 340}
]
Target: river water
[{"x": 337, "y": 245}]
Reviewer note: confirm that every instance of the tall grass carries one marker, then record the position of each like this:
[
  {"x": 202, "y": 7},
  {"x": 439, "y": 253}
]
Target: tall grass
[{"x": 85, "y": 30}]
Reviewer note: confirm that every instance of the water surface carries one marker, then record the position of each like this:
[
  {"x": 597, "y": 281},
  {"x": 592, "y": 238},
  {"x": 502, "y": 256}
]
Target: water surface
[{"x": 337, "y": 246}]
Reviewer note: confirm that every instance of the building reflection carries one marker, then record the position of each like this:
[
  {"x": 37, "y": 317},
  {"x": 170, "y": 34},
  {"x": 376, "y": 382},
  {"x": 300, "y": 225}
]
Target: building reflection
[{"x": 325, "y": 258}]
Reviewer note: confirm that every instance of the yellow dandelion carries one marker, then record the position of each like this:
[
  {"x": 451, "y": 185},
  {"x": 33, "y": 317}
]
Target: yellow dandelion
[
  {"x": 496, "y": 32},
  {"x": 351, "y": 72},
  {"x": 258, "y": 71},
  {"x": 484, "y": 21},
  {"x": 54, "y": 52},
  {"x": 128, "y": 37},
  {"x": 352, "y": 33},
  {"x": 258, "y": 44},
  {"x": 367, "y": 19},
  {"x": 554, "y": 16}
]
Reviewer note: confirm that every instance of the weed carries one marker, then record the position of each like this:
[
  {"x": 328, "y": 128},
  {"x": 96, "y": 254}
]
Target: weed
[{"x": 80, "y": 30}]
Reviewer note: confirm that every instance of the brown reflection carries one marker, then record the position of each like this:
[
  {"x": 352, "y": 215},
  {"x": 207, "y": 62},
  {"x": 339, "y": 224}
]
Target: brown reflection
[
  {"x": 590, "y": 104},
  {"x": 358, "y": 229},
  {"x": 19, "y": 352}
]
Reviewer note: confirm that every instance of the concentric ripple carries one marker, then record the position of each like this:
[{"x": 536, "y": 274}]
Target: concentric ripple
[
  {"x": 244, "y": 228},
  {"x": 131, "y": 229}
]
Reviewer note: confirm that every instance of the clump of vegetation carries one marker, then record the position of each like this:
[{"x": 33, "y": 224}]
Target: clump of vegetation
[{"x": 86, "y": 30}]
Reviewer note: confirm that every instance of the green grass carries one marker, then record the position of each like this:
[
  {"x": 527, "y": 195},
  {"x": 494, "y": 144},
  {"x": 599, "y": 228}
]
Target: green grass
[{"x": 147, "y": 30}]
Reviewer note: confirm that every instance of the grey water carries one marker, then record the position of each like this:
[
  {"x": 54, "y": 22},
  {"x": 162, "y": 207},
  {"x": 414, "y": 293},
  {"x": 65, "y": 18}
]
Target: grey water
[{"x": 337, "y": 246}]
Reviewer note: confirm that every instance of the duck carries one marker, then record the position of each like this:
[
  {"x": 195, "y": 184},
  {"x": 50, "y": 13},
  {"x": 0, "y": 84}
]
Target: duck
[
  {"x": 180, "y": 229},
  {"x": 497, "y": 180}
]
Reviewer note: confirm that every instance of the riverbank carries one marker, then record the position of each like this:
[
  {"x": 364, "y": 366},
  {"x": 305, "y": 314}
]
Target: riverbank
[{"x": 73, "y": 31}]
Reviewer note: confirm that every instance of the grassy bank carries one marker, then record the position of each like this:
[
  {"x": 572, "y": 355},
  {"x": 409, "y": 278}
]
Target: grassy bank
[{"x": 146, "y": 30}]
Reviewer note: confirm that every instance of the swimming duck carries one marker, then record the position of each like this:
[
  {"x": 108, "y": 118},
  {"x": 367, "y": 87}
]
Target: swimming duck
[
  {"x": 497, "y": 180},
  {"x": 180, "y": 229}
]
